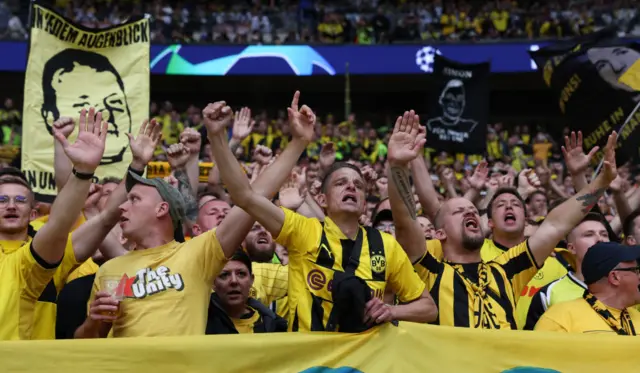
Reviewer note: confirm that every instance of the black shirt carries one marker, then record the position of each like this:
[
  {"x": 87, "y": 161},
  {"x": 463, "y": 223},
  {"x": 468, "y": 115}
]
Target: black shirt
[{"x": 72, "y": 306}]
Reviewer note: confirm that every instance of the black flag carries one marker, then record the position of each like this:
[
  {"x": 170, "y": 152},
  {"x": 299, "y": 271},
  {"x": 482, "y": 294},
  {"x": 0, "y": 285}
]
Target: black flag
[
  {"x": 459, "y": 107},
  {"x": 596, "y": 80}
]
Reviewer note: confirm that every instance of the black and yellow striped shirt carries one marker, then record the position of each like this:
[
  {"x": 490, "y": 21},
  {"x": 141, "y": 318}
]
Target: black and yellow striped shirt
[
  {"x": 477, "y": 295},
  {"x": 318, "y": 250}
]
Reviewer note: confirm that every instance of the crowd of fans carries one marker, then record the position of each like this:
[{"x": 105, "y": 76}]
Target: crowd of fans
[
  {"x": 361, "y": 22},
  {"x": 528, "y": 205}
]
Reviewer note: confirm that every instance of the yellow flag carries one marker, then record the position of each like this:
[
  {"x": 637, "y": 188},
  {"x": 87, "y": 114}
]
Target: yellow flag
[
  {"x": 407, "y": 348},
  {"x": 71, "y": 67}
]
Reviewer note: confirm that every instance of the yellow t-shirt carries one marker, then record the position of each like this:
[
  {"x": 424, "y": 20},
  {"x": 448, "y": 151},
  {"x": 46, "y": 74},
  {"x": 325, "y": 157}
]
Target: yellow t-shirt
[
  {"x": 166, "y": 288},
  {"x": 270, "y": 283},
  {"x": 577, "y": 316},
  {"x": 314, "y": 257},
  {"x": 27, "y": 306},
  {"x": 246, "y": 325},
  {"x": 456, "y": 287}
]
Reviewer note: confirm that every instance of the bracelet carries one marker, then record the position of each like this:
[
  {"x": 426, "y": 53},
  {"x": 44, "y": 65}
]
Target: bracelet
[
  {"x": 139, "y": 173},
  {"x": 81, "y": 175}
]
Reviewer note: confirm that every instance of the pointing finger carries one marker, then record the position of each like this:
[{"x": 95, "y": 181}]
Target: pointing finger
[{"x": 294, "y": 101}]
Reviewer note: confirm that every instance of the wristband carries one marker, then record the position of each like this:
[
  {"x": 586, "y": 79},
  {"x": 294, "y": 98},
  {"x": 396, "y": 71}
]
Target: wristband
[
  {"x": 82, "y": 176},
  {"x": 139, "y": 173}
]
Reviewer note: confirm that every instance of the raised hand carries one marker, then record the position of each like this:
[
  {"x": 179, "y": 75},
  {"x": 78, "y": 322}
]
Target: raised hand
[
  {"x": 315, "y": 187},
  {"x": 95, "y": 192},
  {"x": 65, "y": 125},
  {"x": 290, "y": 196},
  {"x": 262, "y": 155},
  {"x": 364, "y": 220},
  {"x": 528, "y": 182},
  {"x": 242, "y": 124},
  {"x": 327, "y": 155},
  {"x": 86, "y": 152},
  {"x": 492, "y": 185},
  {"x": 177, "y": 156},
  {"x": 609, "y": 170},
  {"x": 407, "y": 141},
  {"x": 480, "y": 176},
  {"x": 383, "y": 187},
  {"x": 370, "y": 175},
  {"x": 302, "y": 121},
  {"x": 217, "y": 117},
  {"x": 447, "y": 175},
  {"x": 544, "y": 174},
  {"x": 576, "y": 160},
  {"x": 192, "y": 140},
  {"x": 299, "y": 175},
  {"x": 144, "y": 145}
]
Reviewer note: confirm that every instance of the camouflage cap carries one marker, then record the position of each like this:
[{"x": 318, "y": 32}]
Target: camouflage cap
[{"x": 169, "y": 194}]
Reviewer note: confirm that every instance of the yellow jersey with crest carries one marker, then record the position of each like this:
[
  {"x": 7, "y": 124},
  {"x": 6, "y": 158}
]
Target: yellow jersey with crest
[
  {"x": 166, "y": 289},
  {"x": 317, "y": 250}
]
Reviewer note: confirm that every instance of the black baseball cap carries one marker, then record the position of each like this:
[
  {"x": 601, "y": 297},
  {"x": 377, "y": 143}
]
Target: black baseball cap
[
  {"x": 382, "y": 215},
  {"x": 603, "y": 257}
]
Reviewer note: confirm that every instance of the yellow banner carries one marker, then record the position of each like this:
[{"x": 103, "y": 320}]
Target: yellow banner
[
  {"x": 70, "y": 68},
  {"x": 162, "y": 169},
  {"x": 408, "y": 348}
]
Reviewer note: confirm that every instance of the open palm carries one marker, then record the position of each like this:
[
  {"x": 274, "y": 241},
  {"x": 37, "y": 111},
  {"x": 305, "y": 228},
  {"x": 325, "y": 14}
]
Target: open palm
[
  {"x": 86, "y": 152},
  {"x": 144, "y": 145},
  {"x": 407, "y": 139},
  {"x": 575, "y": 158},
  {"x": 242, "y": 124},
  {"x": 302, "y": 121}
]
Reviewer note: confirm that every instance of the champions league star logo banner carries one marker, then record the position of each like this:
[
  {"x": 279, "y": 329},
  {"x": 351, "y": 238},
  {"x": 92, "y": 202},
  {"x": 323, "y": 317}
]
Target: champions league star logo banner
[
  {"x": 459, "y": 107},
  {"x": 596, "y": 82},
  {"x": 410, "y": 347},
  {"x": 70, "y": 68}
]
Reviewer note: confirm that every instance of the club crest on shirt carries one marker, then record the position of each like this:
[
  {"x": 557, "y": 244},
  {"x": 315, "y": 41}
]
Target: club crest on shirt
[
  {"x": 539, "y": 275},
  {"x": 148, "y": 282},
  {"x": 378, "y": 263}
]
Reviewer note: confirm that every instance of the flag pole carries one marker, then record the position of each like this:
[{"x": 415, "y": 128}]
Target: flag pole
[
  {"x": 619, "y": 132},
  {"x": 347, "y": 93}
]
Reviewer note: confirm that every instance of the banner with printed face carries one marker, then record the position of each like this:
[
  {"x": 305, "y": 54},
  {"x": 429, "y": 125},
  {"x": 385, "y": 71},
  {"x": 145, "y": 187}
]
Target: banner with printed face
[
  {"x": 71, "y": 67},
  {"x": 408, "y": 348},
  {"x": 596, "y": 82},
  {"x": 459, "y": 107}
]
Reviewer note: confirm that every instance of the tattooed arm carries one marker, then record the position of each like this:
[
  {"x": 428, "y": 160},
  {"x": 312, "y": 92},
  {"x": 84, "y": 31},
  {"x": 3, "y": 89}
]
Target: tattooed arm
[
  {"x": 403, "y": 208},
  {"x": 184, "y": 186},
  {"x": 563, "y": 218}
]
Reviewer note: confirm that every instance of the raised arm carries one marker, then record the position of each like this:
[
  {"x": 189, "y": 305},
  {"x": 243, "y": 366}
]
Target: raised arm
[
  {"x": 427, "y": 194},
  {"x": 61, "y": 164},
  {"x": 566, "y": 216},
  {"x": 405, "y": 145},
  {"x": 254, "y": 199},
  {"x": 192, "y": 140},
  {"x": 92, "y": 233},
  {"x": 85, "y": 155}
]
